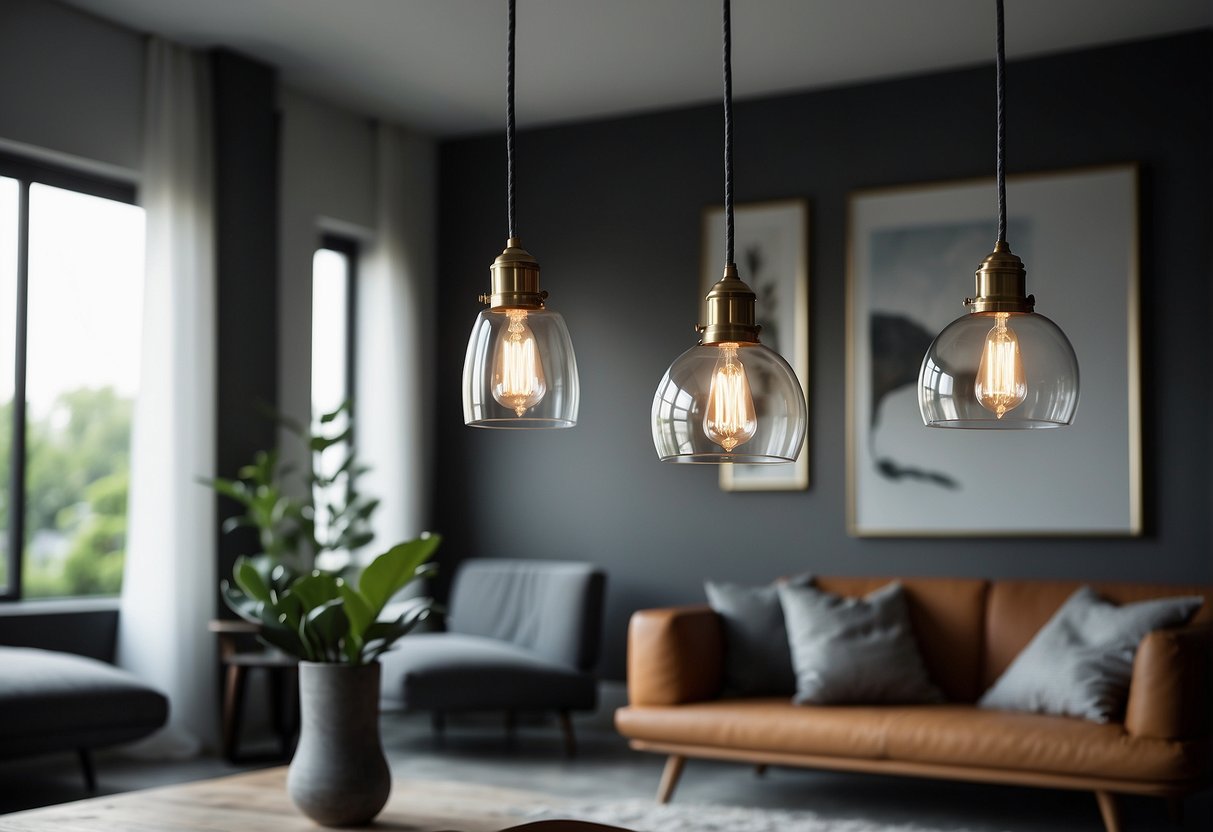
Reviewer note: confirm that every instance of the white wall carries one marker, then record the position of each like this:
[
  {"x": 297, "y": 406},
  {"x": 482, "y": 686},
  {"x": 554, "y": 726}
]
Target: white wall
[
  {"x": 338, "y": 175},
  {"x": 326, "y": 182},
  {"x": 396, "y": 338},
  {"x": 71, "y": 87}
]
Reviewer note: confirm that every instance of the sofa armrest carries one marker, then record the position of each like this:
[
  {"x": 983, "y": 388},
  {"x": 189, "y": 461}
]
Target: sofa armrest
[
  {"x": 1169, "y": 696},
  {"x": 675, "y": 655}
]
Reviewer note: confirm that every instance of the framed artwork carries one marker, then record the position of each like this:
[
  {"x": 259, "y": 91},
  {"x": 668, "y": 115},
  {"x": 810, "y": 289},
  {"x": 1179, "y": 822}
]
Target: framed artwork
[
  {"x": 912, "y": 254},
  {"x": 772, "y": 252}
]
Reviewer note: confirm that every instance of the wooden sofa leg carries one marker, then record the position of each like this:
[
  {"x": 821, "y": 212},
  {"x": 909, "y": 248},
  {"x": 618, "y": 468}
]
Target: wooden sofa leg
[
  {"x": 570, "y": 740},
  {"x": 87, "y": 769},
  {"x": 760, "y": 769},
  {"x": 1175, "y": 810},
  {"x": 1109, "y": 810},
  {"x": 669, "y": 777}
]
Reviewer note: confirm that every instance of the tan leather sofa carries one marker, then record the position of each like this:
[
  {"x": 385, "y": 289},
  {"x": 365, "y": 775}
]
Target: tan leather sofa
[{"x": 968, "y": 631}]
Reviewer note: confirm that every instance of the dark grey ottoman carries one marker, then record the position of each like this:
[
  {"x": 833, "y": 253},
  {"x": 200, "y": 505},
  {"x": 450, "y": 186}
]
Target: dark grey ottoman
[{"x": 53, "y": 701}]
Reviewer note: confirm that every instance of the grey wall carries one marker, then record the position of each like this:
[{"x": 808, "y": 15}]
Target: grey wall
[{"x": 620, "y": 201}]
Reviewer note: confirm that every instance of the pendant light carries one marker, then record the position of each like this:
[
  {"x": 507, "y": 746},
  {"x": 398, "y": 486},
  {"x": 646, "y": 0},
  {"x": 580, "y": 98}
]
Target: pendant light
[
  {"x": 520, "y": 371},
  {"x": 729, "y": 399},
  {"x": 1002, "y": 365}
]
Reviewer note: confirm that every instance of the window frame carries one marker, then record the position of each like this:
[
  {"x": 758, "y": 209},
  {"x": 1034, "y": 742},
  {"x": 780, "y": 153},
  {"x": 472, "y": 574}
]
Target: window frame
[{"x": 28, "y": 172}]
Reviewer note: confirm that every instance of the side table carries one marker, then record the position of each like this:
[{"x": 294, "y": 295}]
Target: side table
[{"x": 282, "y": 671}]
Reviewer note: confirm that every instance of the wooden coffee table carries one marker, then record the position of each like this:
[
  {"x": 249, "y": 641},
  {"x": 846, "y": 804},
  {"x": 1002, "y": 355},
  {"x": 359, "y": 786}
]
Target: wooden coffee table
[{"x": 257, "y": 802}]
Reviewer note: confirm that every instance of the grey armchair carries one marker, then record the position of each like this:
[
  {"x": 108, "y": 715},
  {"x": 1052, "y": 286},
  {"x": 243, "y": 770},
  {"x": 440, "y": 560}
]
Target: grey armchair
[{"x": 521, "y": 635}]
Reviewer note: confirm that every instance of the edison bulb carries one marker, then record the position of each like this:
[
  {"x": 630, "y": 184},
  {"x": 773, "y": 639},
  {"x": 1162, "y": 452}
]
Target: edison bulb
[
  {"x": 518, "y": 381},
  {"x": 1000, "y": 384},
  {"x": 729, "y": 420}
]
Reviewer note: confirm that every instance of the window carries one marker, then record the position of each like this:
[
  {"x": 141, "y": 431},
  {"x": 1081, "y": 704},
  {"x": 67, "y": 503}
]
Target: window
[
  {"x": 332, "y": 312},
  {"x": 71, "y": 290},
  {"x": 333, "y": 287}
]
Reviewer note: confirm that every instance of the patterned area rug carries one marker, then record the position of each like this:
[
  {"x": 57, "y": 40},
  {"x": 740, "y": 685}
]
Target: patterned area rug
[{"x": 646, "y": 816}]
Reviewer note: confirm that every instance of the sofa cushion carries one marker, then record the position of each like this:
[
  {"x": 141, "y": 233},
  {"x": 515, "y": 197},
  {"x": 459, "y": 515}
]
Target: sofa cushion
[
  {"x": 1080, "y": 662},
  {"x": 947, "y": 735},
  {"x": 57, "y": 701},
  {"x": 1016, "y": 611},
  {"x": 854, "y": 650},
  {"x": 761, "y": 724},
  {"x": 454, "y": 672},
  {"x": 961, "y": 735},
  {"x": 948, "y": 618},
  {"x": 757, "y": 661}
]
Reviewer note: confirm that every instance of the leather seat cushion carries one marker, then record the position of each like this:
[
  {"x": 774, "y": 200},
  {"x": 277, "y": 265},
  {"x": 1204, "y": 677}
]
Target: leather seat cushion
[
  {"x": 456, "y": 672},
  {"x": 762, "y": 724},
  {"x": 951, "y": 735},
  {"x": 52, "y": 700},
  {"x": 967, "y": 736}
]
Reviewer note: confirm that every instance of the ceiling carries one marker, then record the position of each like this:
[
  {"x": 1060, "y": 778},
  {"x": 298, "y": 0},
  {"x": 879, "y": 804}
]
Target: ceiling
[{"x": 438, "y": 65}]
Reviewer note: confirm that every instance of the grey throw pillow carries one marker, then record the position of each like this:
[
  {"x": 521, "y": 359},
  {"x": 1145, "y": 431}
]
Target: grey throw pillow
[
  {"x": 756, "y": 658},
  {"x": 1081, "y": 661},
  {"x": 854, "y": 650}
]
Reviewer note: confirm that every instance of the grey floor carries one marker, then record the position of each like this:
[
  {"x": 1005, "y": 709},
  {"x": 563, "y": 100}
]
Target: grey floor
[{"x": 475, "y": 749}]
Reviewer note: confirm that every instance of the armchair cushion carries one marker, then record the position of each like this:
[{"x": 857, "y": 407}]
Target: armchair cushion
[
  {"x": 552, "y": 608},
  {"x": 455, "y": 672},
  {"x": 55, "y": 701}
]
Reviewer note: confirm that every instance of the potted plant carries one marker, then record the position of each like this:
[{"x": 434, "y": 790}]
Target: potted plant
[
  {"x": 338, "y": 776},
  {"x": 329, "y": 619}
]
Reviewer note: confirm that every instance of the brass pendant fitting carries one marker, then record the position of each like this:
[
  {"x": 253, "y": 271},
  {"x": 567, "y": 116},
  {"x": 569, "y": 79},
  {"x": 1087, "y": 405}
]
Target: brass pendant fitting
[
  {"x": 1001, "y": 283},
  {"x": 731, "y": 305},
  {"x": 514, "y": 279}
]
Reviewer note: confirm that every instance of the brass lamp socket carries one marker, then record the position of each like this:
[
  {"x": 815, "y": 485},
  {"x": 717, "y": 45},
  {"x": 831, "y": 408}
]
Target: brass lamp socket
[
  {"x": 1001, "y": 283},
  {"x": 514, "y": 278},
  {"x": 731, "y": 305}
]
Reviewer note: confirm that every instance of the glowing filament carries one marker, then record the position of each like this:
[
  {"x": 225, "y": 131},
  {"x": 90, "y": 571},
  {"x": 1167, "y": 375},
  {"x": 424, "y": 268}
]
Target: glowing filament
[
  {"x": 518, "y": 381},
  {"x": 729, "y": 420},
  {"x": 1000, "y": 384}
]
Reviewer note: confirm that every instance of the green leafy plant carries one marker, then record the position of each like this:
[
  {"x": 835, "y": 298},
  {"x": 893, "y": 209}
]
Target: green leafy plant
[
  {"x": 287, "y": 525},
  {"x": 324, "y": 617}
]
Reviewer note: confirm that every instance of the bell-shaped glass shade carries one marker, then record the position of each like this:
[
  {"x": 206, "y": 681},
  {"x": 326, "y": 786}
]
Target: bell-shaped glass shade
[
  {"x": 729, "y": 403},
  {"x": 1008, "y": 371},
  {"x": 520, "y": 371}
]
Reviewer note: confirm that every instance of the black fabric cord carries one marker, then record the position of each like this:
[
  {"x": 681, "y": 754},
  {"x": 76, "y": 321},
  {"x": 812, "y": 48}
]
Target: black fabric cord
[
  {"x": 1000, "y": 72},
  {"x": 509, "y": 122},
  {"x": 728, "y": 135}
]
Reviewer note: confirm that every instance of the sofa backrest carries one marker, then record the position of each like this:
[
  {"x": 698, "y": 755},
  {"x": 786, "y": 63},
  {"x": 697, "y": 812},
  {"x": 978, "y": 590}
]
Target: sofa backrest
[
  {"x": 1016, "y": 610},
  {"x": 553, "y": 608},
  {"x": 947, "y": 615}
]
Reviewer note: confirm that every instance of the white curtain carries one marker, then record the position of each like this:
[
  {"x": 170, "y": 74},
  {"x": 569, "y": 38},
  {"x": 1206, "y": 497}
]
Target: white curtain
[
  {"x": 168, "y": 590},
  {"x": 393, "y": 395}
]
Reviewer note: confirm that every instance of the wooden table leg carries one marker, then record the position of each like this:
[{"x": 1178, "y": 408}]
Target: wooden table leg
[{"x": 233, "y": 704}]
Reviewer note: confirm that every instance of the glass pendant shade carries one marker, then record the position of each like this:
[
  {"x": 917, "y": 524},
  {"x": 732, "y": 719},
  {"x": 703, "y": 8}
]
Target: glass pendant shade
[
  {"x": 520, "y": 371},
  {"x": 729, "y": 402},
  {"x": 999, "y": 370}
]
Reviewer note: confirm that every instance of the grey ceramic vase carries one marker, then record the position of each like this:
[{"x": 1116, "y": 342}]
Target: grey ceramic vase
[{"x": 339, "y": 776}]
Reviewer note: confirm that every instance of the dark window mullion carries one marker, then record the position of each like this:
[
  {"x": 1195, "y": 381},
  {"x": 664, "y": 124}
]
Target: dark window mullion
[{"x": 16, "y": 498}]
